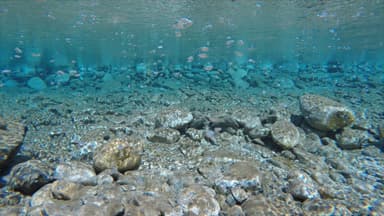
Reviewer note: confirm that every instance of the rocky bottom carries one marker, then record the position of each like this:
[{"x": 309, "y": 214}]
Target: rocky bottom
[{"x": 191, "y": 151}]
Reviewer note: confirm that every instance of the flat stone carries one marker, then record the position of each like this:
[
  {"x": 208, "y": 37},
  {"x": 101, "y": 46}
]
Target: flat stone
[
  {"x": 122, "y": 154},
  {"x": 325, "y": 114},
  {"x": 285, "y": 134}
]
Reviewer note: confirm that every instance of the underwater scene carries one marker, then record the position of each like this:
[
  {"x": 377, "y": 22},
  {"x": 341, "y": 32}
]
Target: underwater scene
[{"x": 191, "y": 107}]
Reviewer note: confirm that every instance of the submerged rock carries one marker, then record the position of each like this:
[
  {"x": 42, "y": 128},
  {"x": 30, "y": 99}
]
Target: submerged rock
[
  {"x": 164, "y": 135},
  {"x": 302, "y": 187},
  {"x": 11, "y": 137},
  {"x": 174, "y": 118},
  {"x": 325, "y": 114},
  {"x": 75, "y": 171},
  {"x": 123, "y": 154},
  {"x": 36, "y": 83},
  {"x": 351, "y": 138},
  {"x": 29, "y": 176},
  {"x": 285, "y": 134},
  {"x": 198, "y": 200}
]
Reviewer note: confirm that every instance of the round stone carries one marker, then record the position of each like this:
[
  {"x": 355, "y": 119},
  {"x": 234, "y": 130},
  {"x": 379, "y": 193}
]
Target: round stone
[
  {"x": 285, "y": 134},
  {"x": 325, "y": 114}
]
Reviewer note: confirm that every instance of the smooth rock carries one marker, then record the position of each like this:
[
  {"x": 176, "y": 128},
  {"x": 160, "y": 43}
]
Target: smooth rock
[
  {"x": 122, "y": 154},
  {"x": 285, "y": 134},
  {"x": 325, "y": 114},
  {"x": 11, "y": 137},
  {"x": 29, "y": 176},
  {"x": 174, "y": 118},
  {"x": 75, "y": 171},
  {"x": 164, "y": 135},
  {"x": 36, "y": 83}
]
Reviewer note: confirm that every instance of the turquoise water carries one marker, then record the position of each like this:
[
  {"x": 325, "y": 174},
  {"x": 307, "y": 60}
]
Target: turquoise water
[{"x": 77, "y": 34}]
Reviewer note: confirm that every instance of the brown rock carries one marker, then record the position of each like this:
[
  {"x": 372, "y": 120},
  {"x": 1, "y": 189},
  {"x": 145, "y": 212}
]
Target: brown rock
[{"x": 122, "y": 154}]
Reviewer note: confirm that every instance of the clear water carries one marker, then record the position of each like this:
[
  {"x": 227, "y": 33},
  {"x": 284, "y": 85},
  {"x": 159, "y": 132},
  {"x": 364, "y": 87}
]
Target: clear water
[{"x": 127, "y": 32}]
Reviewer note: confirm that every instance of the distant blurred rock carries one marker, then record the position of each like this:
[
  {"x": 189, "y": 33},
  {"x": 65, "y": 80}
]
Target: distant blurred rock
[
  {"x": 36, "y": 83},
  {"x": 325, "y": 114},
  {"x": 29, "y": 176},
  {"x": 11, "y": 136},
  {"x": 123, "y": 154}
]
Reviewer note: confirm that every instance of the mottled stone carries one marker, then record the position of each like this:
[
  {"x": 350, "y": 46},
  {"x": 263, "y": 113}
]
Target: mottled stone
[
  {"x": 246, "y": 119},
  {"x": 64, "y": 190},
  {"x": 325, "y": 207},
  {"x": 241, "y": 174},
  {"x": 351, "y": 138},
  {"x": 285, "y": 134},
  {"x": 11, "y": 137},
  {"x": 325, "y": 114},
  {"x": 29, "y": 176},
  {"x": 258, "y": 133},
  {"x": 195, "y": 134},
  {"x": 174, "y": 118},
  {"x": 123, "y": 154},
  {"x": 235, "y": 211},
  {"x": 164, "y": 135},
  {"x": 224, "y": 122},
  {"x": 259, "y": 205},
  {"x": 198, "y": 200},
  {"x": 75, "y": 171},
  {"x": 11, "y": 211},
  {"x": 239, "y": 194},
  {"x": 301, "y": 186},
  {"x": 381, "y": 131}
]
